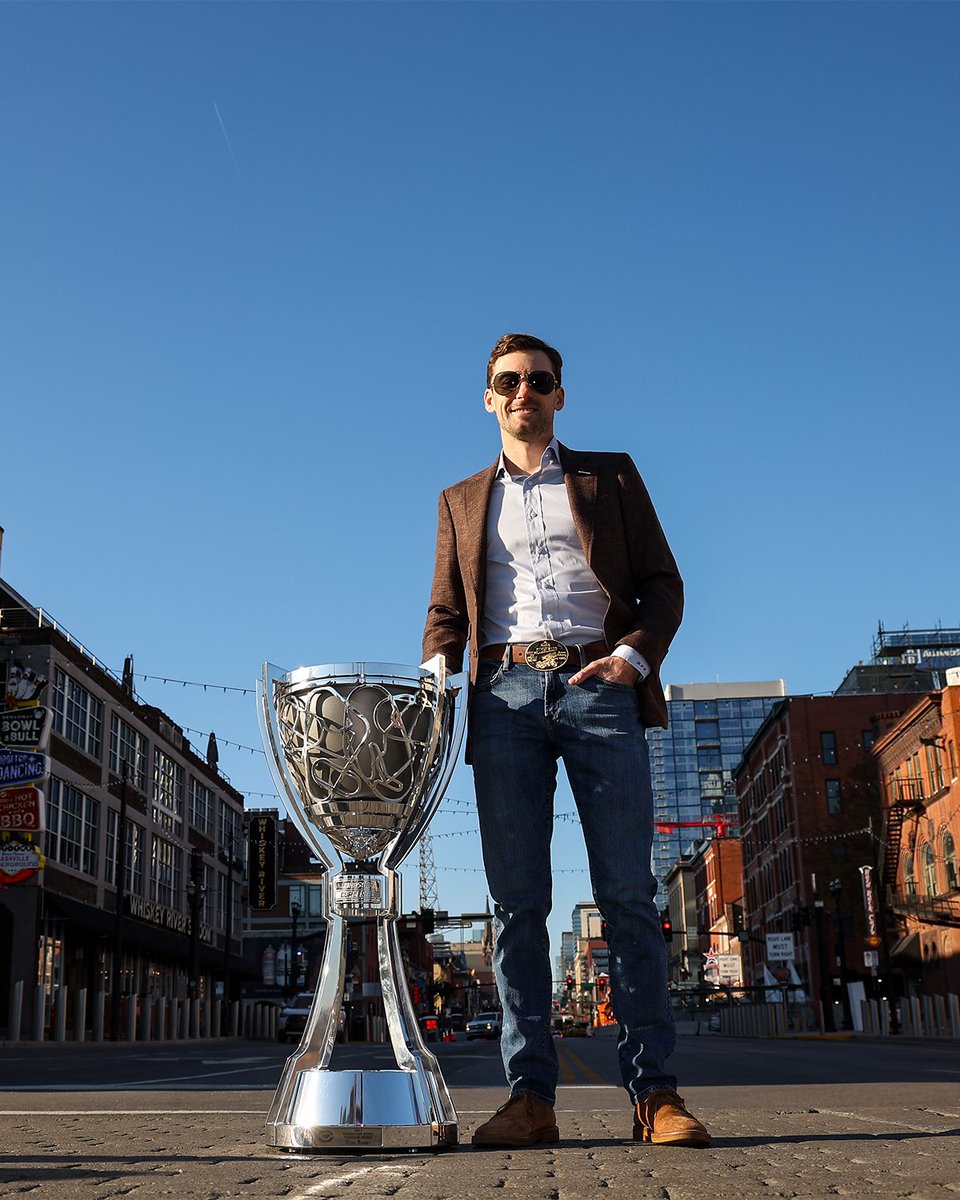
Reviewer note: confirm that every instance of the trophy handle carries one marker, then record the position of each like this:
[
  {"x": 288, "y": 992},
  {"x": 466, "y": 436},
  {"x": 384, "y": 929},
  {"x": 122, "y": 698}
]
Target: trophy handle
[
  {"x": 270, "y": 734},
  {"x": 445, "y": 742}
]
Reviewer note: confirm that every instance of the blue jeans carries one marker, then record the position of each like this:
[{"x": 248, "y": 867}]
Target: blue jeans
[{"x": 521, "y": 722}]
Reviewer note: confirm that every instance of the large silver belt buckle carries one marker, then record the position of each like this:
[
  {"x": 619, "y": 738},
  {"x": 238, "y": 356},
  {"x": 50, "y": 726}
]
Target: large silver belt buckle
[{"x": 547, "y": 655}]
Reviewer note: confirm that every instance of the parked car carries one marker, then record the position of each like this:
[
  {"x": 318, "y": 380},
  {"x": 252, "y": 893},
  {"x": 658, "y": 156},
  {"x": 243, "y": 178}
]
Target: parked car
[
  {"x": 293, "y": 1017},
  {"x": 484, "y": 1025}
]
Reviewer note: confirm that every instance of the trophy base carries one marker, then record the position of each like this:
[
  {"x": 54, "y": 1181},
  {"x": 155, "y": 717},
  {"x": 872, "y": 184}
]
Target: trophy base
[{"x": 327, "y": 1110}]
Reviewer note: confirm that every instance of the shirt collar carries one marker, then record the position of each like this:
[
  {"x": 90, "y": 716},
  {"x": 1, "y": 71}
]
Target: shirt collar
[{"x": 550, "y": 455}]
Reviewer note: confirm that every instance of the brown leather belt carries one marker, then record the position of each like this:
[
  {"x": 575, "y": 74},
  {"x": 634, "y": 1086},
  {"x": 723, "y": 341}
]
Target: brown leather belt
[{"x": 516, "y": 652}]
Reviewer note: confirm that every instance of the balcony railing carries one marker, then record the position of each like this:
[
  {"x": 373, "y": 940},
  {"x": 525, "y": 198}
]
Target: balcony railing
[
  {"x": 909, "y": 791},
  {"x": 931, "y": 910}
]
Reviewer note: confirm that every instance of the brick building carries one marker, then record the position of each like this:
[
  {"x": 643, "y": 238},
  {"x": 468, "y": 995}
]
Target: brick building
[
  {"x": 809, "y": 800},
  {"x": 171, "y": 929},
  {"x": 919, "y": 764},
  {"x": 718, "y": 886}
]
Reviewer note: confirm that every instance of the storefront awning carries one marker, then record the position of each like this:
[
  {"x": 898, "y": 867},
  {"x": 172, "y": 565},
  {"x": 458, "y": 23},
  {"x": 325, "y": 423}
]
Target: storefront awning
[
  {"x": 138, "y": 935},
  {"x": 906, "y": 949}
]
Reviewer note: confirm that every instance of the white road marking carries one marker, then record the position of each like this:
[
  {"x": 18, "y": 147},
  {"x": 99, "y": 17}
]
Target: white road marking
[
  {"x": 351, "y": 1176},
  {"x": 855, "y": 1116},
  {"x": 131, "y": 1112}
]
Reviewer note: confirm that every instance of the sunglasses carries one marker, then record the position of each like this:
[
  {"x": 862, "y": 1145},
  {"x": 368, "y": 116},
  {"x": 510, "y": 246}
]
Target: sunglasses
[{"x": 507, "y": 383}]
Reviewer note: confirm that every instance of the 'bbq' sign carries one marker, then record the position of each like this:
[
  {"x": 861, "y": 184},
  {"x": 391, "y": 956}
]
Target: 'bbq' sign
[{"x": 21, "y": 810}]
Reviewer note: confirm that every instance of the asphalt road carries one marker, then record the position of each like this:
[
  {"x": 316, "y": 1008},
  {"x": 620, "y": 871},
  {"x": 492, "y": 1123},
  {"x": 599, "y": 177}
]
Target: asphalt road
[
  {"x": 804, "y": 1120},
  {"x": 706, "y": 1061}
]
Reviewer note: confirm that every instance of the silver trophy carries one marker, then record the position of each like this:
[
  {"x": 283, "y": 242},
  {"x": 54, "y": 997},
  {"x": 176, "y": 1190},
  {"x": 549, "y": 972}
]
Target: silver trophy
[{"x": 363, "y": 753}]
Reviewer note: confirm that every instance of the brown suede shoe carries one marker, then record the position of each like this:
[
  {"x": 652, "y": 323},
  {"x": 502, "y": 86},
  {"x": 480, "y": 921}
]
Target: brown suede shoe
[
  {"x": 523, "y": 1121},
  {"x": 661, "y": 1118}
]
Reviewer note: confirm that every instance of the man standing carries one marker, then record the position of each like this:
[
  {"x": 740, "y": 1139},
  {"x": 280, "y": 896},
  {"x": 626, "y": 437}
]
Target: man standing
[{"x": 552, "y": 564}]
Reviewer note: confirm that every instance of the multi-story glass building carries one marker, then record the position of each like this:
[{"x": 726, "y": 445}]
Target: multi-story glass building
[{"x": 692, "y": 762}]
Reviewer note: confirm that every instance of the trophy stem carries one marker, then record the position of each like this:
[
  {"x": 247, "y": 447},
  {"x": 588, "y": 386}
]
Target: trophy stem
[
  {"x": 320, "y": 1030},
  {"x": 404, "y": 1030}
]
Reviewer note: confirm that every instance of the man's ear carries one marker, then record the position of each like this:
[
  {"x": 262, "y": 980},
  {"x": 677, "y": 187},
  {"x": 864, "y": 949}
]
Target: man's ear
[
  {"x": 559, "y": 404},
  {"x": 488, "y": 403}
]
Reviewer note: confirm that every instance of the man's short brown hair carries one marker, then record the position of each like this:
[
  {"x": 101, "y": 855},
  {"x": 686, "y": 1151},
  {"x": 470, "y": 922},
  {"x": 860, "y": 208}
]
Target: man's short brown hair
[{"x": 523, "y": 341}]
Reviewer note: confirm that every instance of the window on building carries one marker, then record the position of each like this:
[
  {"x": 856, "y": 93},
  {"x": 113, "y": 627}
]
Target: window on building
[
  {"x": 167, "y": 793},
  {"x": 952, "y": 755},
  {"x": 222, "y": 893},
  {"x": 828, "y": 749},
  {"x": 833, "y": 787},
  {"x": 868, "y": 738},
  {"x": 166, "y": 872},
  {"x": 950, "y": 862},
  {"x": 133, "y": 855},
  {"x": 708, "y": 759},
  {"x": 128, "y": 748},
  {"x": 73, "y": 826},
  {"x": 929, "y": 870},
  {"x": 909, "y": 875},
  {"x": 201, "y": 806},
  {"x": 935, "y": 768},
  {"x": 231, "y": 830},
  {"x": 77, "y": 715}
]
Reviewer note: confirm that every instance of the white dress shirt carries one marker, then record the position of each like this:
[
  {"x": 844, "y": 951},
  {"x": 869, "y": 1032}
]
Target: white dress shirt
[{"x": 538, "y": 582}]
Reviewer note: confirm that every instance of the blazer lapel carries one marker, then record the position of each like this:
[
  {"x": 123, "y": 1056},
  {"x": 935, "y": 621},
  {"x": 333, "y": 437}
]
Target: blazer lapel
[
  {"x": 581, "y": 480},
  {"x": 471, "y": 526}
]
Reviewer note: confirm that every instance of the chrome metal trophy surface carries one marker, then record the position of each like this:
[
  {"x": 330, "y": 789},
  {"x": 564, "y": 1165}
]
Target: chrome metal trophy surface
[{"x": 363, "y": 753}]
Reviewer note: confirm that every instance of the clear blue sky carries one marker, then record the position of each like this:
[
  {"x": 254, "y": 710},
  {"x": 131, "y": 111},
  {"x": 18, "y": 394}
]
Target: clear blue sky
[{"x": 254, "y": 258}]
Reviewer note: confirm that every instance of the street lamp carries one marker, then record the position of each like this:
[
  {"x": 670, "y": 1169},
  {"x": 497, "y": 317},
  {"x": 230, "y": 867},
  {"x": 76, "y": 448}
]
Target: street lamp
[
  {"x": 195, "y": 893},
  {"x": 294, "y": 971},
  {"x": 836, "y": 887},
  {"x": 120, "y": 882}
]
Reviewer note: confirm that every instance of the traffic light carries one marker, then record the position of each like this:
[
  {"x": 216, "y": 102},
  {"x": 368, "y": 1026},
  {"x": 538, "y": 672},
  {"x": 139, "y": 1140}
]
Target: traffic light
[
  {"x": 800, "y": 918},
  {"x": 569, "y": 981},
  {"x": 667, "y": 926}
]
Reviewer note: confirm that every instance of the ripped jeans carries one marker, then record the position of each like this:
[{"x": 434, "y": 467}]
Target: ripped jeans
[{"x": 522, "y": 722}]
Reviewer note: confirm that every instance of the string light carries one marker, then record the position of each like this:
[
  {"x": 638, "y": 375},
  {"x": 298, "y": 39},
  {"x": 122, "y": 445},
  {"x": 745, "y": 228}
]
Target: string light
[
  {"x": 224, "y": 741},
  {"x": 216, "y": 687}
]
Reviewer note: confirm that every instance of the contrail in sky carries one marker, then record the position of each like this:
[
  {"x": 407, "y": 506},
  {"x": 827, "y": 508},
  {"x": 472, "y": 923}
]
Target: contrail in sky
[{"x": 223, "y": 130}]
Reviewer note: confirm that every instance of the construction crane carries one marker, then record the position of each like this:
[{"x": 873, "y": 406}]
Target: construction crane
[
  {"x": 428, "y": 875},
  {"x": 720, "y": 825}
]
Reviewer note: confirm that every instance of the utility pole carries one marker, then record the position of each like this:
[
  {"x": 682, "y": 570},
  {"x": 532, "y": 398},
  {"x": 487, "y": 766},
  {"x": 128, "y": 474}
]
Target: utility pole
[
  {"x": 294, "y": 973},
  {"x": 836, "y": 889},
  {"x": 195, "y": 891},
  {"x": 824, "y": 967},
  {"x": 120, "y": 866}
]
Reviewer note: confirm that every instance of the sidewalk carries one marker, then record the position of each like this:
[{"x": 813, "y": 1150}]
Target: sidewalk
[{"x": 854, "y": 1140}]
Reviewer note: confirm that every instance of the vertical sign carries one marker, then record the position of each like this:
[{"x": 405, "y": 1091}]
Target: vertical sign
[
  {"x": 870, "y": 906},
  {"x": 23, "y": 727},
  {"x": 262, "y": 835}
]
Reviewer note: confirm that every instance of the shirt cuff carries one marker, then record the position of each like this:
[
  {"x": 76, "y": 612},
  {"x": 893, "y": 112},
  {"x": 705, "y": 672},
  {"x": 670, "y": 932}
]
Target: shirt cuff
[{"x": 637, "y": 661}]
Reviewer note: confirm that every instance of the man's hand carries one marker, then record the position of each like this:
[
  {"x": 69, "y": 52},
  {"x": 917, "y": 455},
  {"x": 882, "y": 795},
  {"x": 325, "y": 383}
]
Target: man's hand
[{"x": 612, "y": 668}]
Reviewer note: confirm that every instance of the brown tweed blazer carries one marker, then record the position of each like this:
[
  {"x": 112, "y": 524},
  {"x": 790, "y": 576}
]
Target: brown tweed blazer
[{"x": 625, "y": 548}]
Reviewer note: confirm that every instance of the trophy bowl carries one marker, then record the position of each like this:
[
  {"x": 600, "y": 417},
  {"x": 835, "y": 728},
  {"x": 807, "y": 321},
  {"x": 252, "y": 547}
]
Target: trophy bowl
[{"x": 362, "y": 752}]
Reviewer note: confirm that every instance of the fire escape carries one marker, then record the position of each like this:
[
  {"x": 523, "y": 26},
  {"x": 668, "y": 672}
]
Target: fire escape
[{"x": 931, "y": 910}]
